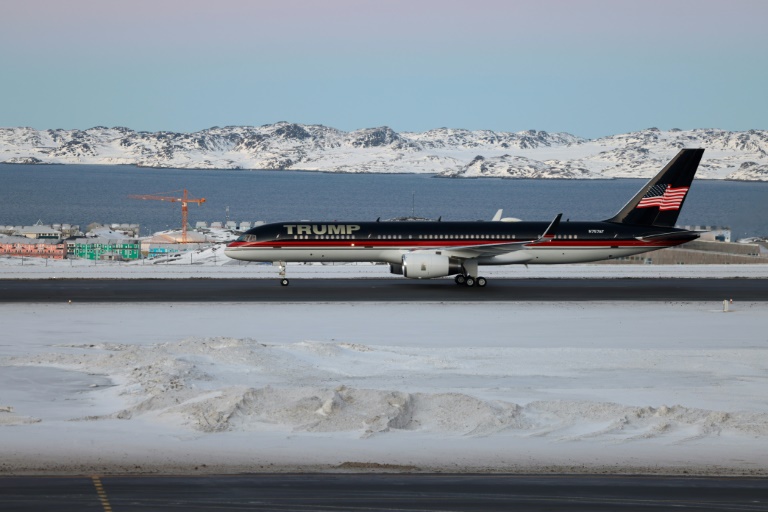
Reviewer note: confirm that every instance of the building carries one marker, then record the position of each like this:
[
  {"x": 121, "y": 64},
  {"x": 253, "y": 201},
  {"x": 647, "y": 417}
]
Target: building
[
  {"x": 701, "y": 253},
  {"x": 21, "y": 246},
  {"x": 104, "y": 248},
  {"x": 711, "y": 233},
  {"x": 114, "y": 230},
  {"x": 39, "y": 231}
]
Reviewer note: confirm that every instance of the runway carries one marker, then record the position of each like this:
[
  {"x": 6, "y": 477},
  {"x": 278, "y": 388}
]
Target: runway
[
  {"x": 379, "y": 290},
  {"x": 384, "y": 492}
]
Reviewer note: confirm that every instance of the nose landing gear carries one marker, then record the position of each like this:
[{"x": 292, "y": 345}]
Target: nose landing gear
[{"x": 283, "y": 280}]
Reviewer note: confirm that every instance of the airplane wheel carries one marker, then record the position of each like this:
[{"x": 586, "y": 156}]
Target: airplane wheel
[
  {"x": 284, "y": 282},
  {"x": 470, "y": 281},
  {"x": 460, "y": 279},
  {"x": 481, "y": 282}
]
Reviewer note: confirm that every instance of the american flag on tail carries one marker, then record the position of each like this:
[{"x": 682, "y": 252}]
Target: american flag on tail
[{"x": 663, "y": 196}]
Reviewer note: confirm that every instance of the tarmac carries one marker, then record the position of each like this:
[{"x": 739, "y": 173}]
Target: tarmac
[{"x": 380, "y": 290}]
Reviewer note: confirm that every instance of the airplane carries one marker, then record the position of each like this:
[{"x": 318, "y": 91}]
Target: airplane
[{"x": 430, "y": 249}]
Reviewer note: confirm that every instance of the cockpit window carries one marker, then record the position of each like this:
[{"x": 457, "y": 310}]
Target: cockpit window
[{"x": 247, "y": 238}]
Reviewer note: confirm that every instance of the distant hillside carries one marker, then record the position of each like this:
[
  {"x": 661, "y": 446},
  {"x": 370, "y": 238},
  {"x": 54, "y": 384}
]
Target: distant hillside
[{"x": 444, "y": 151}]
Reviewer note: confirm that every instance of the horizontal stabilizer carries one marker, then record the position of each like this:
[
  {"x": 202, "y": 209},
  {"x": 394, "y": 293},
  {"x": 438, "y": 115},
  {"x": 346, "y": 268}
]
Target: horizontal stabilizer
[{"x": 676, "y": 235}]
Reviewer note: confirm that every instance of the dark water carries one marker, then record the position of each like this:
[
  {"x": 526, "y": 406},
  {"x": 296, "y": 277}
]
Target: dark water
[{"x": 81, "y": 194}]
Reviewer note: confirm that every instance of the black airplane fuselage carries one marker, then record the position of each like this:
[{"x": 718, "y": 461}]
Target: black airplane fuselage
[{"x": 574, "y": 242}]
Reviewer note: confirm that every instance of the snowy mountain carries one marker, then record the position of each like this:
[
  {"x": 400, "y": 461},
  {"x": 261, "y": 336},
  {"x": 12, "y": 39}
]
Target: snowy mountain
[
  {"x": 444, "y": 151},
  {"x": 507, "y": 166}
]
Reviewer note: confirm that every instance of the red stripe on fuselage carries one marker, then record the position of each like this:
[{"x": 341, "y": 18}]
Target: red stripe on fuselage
[{"x": 418, "y": 244}]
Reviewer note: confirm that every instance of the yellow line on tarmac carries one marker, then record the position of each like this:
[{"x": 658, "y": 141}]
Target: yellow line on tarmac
[{"x": 102, "y": 494}]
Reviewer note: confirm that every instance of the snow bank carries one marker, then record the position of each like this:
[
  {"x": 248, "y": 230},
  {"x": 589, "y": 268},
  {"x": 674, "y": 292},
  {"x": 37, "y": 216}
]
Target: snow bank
[{"x": 135, "y": 388}]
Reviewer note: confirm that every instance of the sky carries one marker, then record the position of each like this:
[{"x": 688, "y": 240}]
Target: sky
[{"x": 587, "y": 67}]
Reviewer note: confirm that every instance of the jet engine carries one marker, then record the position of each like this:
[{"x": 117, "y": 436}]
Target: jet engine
[
  {"x": 395, "y": 268},
  {"x": 424, "y": 266}
]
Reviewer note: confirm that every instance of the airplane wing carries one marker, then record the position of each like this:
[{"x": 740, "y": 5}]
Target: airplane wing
[{"x": 478, "y": 251}]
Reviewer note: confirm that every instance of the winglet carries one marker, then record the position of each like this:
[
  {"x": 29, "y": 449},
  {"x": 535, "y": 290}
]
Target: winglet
[{"x": 549, "y": 234}]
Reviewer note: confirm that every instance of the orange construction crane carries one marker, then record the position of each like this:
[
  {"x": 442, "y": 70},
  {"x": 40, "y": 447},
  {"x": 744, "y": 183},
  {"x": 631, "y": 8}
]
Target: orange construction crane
[{"x": 184, "y": 200}]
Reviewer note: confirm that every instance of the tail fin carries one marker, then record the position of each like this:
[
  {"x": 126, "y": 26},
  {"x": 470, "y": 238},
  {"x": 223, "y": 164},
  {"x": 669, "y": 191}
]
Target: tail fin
[{"x": 659, "y": 202}]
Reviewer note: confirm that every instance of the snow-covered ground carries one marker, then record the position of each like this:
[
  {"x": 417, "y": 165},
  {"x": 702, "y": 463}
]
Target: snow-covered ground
[{"x": 619, "y": 387}]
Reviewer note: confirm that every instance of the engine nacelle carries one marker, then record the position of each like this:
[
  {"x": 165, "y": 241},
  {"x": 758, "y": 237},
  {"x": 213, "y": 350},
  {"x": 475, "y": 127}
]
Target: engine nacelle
[{"x": 425, "y": 266}]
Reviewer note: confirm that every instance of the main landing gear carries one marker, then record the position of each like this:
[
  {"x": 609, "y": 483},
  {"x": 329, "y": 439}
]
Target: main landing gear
[
  {"x": 470, "y": 281},
  {"x": 468, "y": 273}
]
